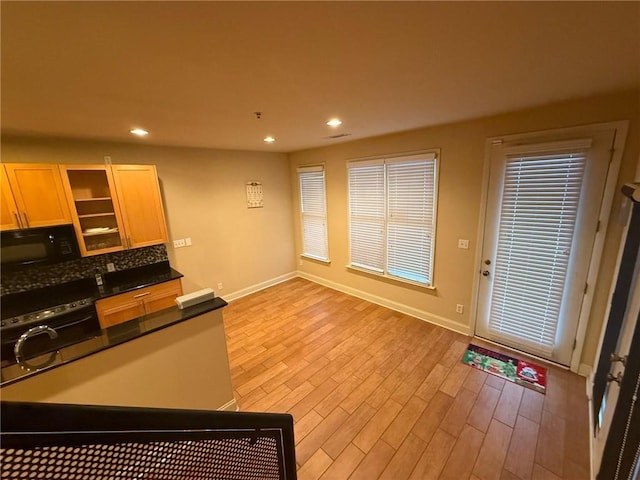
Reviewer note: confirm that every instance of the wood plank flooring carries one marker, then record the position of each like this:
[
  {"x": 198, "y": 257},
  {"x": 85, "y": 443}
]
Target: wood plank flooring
[{"x": 376, "y": 394}]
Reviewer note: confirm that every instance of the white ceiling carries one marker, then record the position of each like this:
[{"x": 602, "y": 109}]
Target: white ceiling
[{"x": 193, "y": 73}]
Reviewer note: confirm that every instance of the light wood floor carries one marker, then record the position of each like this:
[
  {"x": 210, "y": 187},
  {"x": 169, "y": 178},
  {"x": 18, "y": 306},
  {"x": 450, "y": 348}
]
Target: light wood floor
[{"x": 376, "y": 394}]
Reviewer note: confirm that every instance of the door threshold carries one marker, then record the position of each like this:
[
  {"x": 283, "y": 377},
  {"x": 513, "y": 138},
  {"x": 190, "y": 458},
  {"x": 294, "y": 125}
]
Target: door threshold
[{"x": 527, "y": 354}]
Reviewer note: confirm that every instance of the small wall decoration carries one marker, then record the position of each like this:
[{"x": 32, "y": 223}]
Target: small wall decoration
[{"x": 254, "y": 195}]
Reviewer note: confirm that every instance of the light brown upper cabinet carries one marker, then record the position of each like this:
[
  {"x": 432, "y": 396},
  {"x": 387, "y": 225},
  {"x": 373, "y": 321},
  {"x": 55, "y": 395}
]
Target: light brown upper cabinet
[
  {"x": 140, "y": 204},
  {"x": 9, "y": 216},
  {"x": 114, "y": 207},
  {"x": 32, "y": 196}
]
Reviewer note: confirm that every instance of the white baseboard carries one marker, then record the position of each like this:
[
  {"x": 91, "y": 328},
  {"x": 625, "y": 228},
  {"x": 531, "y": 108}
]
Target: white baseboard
[
  {"x": 230, "y": 406},
  {"x": 385, "y": 302},
  {"x": 259, "y": 286}
]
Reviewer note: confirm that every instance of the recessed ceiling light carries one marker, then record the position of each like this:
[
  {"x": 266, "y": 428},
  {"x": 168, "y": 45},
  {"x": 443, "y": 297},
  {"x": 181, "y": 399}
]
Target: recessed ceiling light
[
  {"x": 269, "y": 139},
  {"x": 139, "y": 131},
  {"x": 334, "y": 122}
]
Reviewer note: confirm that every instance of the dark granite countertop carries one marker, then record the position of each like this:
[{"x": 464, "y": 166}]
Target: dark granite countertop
[
  {"x": 127, "y": 280},
  {"x": 114, "y": 283},
  {"x": 107, "y": 338}
]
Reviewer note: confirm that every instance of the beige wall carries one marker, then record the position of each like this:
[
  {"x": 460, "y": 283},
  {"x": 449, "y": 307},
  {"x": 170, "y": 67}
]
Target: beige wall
[
  {"x": 205, "y": 199},
  {"x": 462, "y": 148},
  {"x": 204, "y": 194}
]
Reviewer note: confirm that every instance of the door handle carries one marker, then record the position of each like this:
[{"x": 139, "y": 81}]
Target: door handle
[
  {"x": 485, "y": 273},
  {"x": 26, "y": 220},
  {"x": 617, "y": 358},
  {"x": 617, "y": 378}
]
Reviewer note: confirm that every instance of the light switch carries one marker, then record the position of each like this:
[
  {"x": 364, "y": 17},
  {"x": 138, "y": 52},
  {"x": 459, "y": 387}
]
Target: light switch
[
  {"x": 187, "y": 241},
  {"x": 462, "y": 243}
]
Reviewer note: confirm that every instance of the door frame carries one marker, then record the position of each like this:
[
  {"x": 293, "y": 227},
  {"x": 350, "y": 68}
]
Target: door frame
[
  {"x": 621, "y": 128},
  {"x": 624, "y": 303}
]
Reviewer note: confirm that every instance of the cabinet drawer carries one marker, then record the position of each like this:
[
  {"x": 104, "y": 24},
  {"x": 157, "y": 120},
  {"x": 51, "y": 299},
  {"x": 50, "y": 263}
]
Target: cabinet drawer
[
  {"x": 130, "y": 305},
  {"x": 119, "y": 313}
]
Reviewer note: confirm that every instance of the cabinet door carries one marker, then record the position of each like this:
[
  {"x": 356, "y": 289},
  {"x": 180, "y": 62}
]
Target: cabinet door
[
  {"x": 8, "y": 208},
  {"x": 39, "y": 194},
  {"x": 94, "y": 208},
  {"x": 140, "y": 203}
]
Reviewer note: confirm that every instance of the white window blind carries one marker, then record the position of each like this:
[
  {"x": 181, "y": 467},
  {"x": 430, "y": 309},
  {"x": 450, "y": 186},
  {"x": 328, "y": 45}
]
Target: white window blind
[
  {"x": 536, "y": 228},
  {"x": 313, "y": 212},
  {"x": 367, "y": 215},
  {"x": 410, "y": 219},
  {"x": 392, "y": 216}
]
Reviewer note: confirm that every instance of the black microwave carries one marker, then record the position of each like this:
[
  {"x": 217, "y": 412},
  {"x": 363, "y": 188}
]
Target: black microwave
[{"x": 38, "y": 246}]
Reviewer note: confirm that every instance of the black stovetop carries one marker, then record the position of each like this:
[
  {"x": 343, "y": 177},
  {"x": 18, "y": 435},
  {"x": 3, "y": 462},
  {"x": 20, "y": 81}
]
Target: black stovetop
[{"x": 46, "y": 297}]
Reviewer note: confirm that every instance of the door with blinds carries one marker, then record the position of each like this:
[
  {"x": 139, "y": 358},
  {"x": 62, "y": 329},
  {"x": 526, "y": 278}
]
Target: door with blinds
[{"x": 543, "y": 205}]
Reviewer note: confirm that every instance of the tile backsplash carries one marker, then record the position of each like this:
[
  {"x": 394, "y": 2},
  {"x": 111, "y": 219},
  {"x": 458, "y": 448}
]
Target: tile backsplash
[{"x": 86, "y": 267}]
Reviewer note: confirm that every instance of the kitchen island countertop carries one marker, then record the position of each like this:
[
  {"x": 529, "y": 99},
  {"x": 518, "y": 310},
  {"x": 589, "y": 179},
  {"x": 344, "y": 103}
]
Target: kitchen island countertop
[{"x": 105, "y": 339}]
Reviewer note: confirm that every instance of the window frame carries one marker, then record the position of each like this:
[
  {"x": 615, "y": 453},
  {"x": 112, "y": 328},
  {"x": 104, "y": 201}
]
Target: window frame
[
  {"x": 306, "y": 253},
  {"x": 428, "y": 155}
]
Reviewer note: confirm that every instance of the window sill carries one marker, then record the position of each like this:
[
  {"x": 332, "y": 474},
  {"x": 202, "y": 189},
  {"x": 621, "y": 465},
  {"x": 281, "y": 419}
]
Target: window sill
[
  {"x": 389, "y": 278},
  {"x": 316, "y": 259}
]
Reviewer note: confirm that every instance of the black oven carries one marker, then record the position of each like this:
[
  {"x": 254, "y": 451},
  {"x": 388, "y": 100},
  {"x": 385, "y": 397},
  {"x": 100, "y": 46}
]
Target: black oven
[
  {"x": 47, "y": 319},
  {"x": 48, "y": 330},
  {"x": 36, "y": 246}
]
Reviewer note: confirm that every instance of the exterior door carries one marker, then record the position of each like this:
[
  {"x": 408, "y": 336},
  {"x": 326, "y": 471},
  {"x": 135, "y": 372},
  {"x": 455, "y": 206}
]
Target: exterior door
[
  {"x": 615, "y": 369},
  {"x": 543, "y": 205}
]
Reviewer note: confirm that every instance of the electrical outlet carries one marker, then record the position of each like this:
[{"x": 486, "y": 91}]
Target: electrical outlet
[
  {"x": 459, "y": 308},
  {"x": 179, "y": 243},
  {"x": 220, "y": 287},
  {"x": 111, "y": 267},
  {"x": 462, "y": 243},
  {"x": 187, "y": 241}
]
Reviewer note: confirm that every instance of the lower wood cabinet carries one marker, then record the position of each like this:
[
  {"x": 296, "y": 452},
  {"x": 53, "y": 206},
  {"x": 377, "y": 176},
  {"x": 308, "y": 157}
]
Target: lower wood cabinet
[{"x": 130, "y": 305}]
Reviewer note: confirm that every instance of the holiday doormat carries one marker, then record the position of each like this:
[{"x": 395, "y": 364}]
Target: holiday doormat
[{"x": 523, "y": 373}]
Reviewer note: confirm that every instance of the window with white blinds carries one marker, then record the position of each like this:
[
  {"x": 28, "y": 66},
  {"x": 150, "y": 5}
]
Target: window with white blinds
[
  {"x": 392, "y": 204},
  {"x": 313, "y": 211},
  {"x": 536, "y": 229}
]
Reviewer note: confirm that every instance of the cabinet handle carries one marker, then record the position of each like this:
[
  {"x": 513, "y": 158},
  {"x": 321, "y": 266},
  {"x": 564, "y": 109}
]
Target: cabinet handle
[
  {"x": 142, "y": 295},
  {"x": 128, "y": 242},
  {"x": 17, "y": 219},
  {"x": 26, "y": 220}
]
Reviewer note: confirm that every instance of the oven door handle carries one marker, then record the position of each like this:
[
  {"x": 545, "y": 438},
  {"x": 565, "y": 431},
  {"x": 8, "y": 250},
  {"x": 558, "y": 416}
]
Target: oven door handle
[
  {"x": 17, "y": 349},
  {"x": 71, "y": 324}
]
